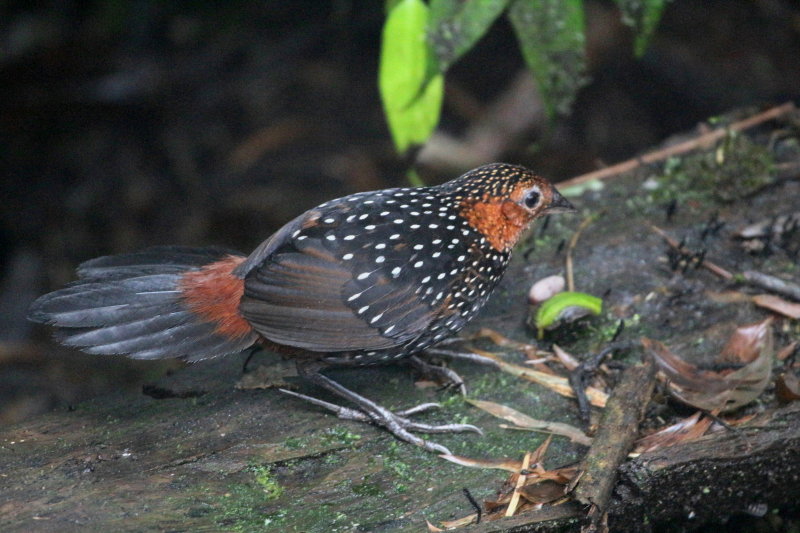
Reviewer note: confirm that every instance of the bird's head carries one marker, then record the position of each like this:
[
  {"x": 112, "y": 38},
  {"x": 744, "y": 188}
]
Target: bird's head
[{"x": 501, "y": 200}]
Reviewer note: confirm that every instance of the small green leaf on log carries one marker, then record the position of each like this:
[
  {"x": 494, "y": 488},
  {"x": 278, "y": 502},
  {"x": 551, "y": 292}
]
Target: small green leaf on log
[{"x": 566, "y": 305}]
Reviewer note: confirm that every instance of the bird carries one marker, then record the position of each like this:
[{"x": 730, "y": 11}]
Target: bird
[{"x": 370, "y": 278}]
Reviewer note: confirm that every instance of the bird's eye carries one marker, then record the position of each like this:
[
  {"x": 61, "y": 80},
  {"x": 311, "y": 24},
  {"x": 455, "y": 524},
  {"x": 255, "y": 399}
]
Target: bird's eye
[{"x": 532, "y": 199}]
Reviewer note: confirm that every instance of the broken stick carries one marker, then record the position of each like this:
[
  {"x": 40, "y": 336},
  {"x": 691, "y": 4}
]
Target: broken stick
[{"x": 617, "y": 431}]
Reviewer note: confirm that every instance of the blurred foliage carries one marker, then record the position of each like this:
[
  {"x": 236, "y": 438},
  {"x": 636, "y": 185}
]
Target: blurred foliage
[
  {"x": 411, "y": 100},
  {"x": 421, "y": 41},
  {"x": 643, "y": 17}
]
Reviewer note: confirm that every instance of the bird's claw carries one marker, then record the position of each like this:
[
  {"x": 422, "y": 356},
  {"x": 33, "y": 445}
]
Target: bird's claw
[
  {"x": 439, "y": 373},
  {"x": 396, "y": 423}
]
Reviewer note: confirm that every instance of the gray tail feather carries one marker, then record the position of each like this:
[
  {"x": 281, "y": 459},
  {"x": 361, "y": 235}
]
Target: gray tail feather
[{"x": 131, "y": 304}]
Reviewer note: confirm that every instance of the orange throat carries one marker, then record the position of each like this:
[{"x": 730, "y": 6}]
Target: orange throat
[
  {"x": 501, "y": 222},
  {"x": 214, "y": 293}
]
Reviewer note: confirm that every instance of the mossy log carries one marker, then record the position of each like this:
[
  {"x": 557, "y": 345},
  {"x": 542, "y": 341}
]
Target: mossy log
[{"x": 199, "y": 455}]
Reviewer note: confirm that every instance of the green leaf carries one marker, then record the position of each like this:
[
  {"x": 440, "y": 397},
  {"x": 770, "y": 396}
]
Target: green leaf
[
  {"x": 414, "y": 179},
  {"x": 643, "y": 17},
  {"x": 551, "y": 35},
  {"x": 555, "y": 309},
  {"x": 411, "y": 105},
  {"x": 455, "y": 26}
]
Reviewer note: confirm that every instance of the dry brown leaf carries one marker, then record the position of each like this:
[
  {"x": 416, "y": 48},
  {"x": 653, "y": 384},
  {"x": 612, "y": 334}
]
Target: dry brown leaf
[
  {"x": 734, "y": 421},
  {"x": 787, "y": 388},
  {"x": 544, "y": 491},
  {"x": 778, "y": 305},
  {"x": 565, "y": 358},
  {"x": 461, "y": 522},
  {"x": 556, "y": 428},
  {"x": 524, "y": 421},
  {"x": 683, "y": 431},
  {"x": 432, "y": 528},
  {"x": 725, "y": 391},
  {"x": 513, "y": 495},
  {"x": 510, "y": 465},
  {"x": 503, "y": 411},
  {"x": 564, "y": 475},
  {"x": 491, "y": 506},
  {"x": 538, "y": 453},
  {"x": 557, "y": 384},
  {"x": 747, "y": 343},
  {"x": 728, "y": 297},
  {"x": 786, "y": 351},
  {"x": 531, "y": 351}
]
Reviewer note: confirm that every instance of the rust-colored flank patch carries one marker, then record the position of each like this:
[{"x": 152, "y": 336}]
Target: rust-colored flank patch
[{"x": 213, "y": 293}]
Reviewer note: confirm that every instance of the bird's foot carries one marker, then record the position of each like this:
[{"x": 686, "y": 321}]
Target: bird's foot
[
  {"x": 439, "y": 374},
  {"x": 396, "y": 423},
  {"x": 471, "y": 357}
]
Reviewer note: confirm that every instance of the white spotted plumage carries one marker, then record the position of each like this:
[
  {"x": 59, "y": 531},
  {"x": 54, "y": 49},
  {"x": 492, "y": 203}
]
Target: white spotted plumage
[{"x": 416, "y": 242}]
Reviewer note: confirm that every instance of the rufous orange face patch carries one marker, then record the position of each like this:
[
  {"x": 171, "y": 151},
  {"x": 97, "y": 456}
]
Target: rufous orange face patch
[{"x": 500, "y": 221}]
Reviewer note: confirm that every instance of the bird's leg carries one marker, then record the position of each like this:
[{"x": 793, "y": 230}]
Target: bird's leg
[
  {"x": 472, "y": 357},
  {"x": 439, "y": 373},
  {"x": 368, "y": 411},
  {"x": 251, "y": 351}
]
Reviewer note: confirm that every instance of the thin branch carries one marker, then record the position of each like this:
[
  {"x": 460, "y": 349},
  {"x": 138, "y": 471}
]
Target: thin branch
[
  {"x": 680, "y": 148},
  {"x": 572, "y": 243},
  {"x": 705, "y": 263},
  {"x": 512, "y": 505},
  {"x": 773, "y": 284},
  {"x": 617, "y": 431},
  {"x": 750, "y": 277}
]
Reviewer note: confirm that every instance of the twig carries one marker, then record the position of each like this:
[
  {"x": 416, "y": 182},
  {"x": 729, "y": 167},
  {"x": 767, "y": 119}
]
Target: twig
[
  {"x": 614, "y": 439},
  {"x": 705, "y": 263},
  {"x": 474, "y": 504},
  {"x": 512, "y": 505},
  {"x": 464, "y": 356},
  {"x": 771, "y": 283},
  {"x": 574, "y": 241},
  {"x": 531, "y": 351},
  {"x": 680, "y": 148},
  {"x": 750, "y": 277},
  {"x": 555, "y": 383},
  {"x": 579, "y": 377}
]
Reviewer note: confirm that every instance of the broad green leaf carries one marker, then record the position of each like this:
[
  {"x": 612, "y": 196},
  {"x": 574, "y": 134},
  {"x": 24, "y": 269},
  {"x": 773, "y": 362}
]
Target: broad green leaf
[
  {"x": 551, "y": 35},
  {"x": 411, "y": 105},
  {"x": 455, "y": 26},
  {"x": 555, "y": 309},
  {"x": 643, "y": 17},
  {"x": 414, "y": 179},
  {"x": 390, "y": 5}
]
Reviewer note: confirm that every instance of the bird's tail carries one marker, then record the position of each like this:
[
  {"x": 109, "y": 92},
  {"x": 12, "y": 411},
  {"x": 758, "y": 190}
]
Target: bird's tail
[{"x": 163, "y": 302}]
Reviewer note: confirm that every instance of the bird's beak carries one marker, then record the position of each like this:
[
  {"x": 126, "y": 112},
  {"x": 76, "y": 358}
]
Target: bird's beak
[{"x": 559, "y": 204}]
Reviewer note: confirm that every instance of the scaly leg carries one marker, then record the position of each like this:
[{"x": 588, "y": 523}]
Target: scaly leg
[
  {"x": 447, "y": 376},
  {"x": 368, "y": 411}
]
